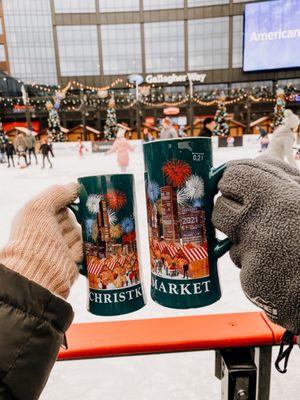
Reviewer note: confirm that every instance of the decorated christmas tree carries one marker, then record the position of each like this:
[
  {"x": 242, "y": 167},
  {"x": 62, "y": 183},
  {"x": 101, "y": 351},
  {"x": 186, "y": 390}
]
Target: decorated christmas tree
[
  {"x": 278, "y": 115},
  {"x": 110, "y": 128},
  {"x": 54, "y": 129},
  {"x": 221, "y": 126}
]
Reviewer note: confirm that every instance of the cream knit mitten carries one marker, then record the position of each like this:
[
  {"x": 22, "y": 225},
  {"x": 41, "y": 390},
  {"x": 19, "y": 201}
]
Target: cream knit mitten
[{"x": 45, "y": 241}]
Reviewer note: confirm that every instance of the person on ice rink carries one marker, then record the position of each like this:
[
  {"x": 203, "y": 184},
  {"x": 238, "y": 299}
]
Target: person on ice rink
[
  {"x": 10, "y": 151},
  {"x": 263, "y": 139},
  {"x": 2, "y": 153},
  {"x": 20, "y": 146},
  {"x": 122, "y": 147},
  {"x": 281, "y": 145},
  {"x": 259, "y": 198},
  {"x": 45, "y": 149},
  {"x": 81, "y": 148},
  {"x": 31, "y": 142}
]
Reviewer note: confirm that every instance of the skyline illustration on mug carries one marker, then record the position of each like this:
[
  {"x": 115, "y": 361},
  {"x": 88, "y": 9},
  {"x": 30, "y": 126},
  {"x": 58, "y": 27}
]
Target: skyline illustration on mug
[
  {"x": 110, "y": 245},
  {"x": 176, "y": 219}
]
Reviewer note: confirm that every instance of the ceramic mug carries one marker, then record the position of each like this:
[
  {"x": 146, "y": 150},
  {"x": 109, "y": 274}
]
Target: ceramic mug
[
  {"x": 181, "y": 185},
  {"x": 106, "y": 214}
]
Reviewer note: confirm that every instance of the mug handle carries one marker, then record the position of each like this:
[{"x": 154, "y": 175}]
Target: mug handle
[
  {"x": 221, "y": 246},
  {"x": 75, "y": 209}
]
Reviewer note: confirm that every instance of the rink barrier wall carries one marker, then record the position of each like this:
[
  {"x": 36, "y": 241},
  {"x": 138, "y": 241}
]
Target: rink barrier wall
[
  {"x": 68, "y": 148},
  {"x": 167, "y": 335},
  {"x": 72, "y": 147}
]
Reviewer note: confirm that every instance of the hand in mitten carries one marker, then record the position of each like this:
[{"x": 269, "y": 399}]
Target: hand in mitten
[
  {"x": 259, "y": 210},
  {"x": 45, "y": 241}
]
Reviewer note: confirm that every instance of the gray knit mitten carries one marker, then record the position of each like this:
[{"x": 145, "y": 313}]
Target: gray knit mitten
[{"x": 259, "y": 210}]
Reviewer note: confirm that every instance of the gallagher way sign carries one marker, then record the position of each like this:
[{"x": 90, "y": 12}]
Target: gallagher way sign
[{"x": 191, "y": 76}]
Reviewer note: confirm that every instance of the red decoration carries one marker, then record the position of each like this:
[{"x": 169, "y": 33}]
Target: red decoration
[
  {"x": 129, "y": 237},
  {"x": 115, "y": 199},
  {"x": 176, "y": 172}
]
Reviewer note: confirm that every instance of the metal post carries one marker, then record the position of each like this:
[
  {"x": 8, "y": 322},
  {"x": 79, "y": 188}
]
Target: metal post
[
  {"x": 263, "y": 360},
  {"x": 28, "y": 119},
  {"x": 248, "y": 118},
  {"x": 27, "y": 110},
  {"x": 238, "y": 374},
  {"x": 83, "y": 114},
  {"x": 138, "y": 120},
  {"x": 191, "y": 108}
]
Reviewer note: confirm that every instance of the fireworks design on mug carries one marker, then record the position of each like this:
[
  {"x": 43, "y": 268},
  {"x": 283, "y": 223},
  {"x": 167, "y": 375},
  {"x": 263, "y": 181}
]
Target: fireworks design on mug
[
  {"x": 194, "y": 187},
  {"x": 112, "y": 217},
  {"x": 115, "y": 199},
  {"x": 182, "y": 197},
  {"x": 127, "y": 225},
  {"x": 176, "y": 172},
  {"x": 115, "y": 231},
  {"x": 92, "y": 203},
  {"x": 153, "y": 191}
]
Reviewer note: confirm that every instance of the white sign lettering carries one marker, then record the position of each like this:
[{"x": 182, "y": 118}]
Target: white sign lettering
[
  {"x": 160, "y": 78},
  {"x": 276, "y": 35}
]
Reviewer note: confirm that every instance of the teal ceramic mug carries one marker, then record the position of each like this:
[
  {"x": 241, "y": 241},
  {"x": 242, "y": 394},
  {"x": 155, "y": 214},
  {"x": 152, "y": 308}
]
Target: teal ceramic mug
[
  {"x": 106, "y": 214},
  {"x": 181, "y": 185}
]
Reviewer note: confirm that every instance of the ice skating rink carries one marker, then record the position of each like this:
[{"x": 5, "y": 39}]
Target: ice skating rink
[{"x": 179, "y": 376}]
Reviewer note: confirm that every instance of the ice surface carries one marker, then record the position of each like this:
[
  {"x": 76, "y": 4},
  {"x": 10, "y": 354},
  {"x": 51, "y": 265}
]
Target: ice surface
[{"x": 186, "y": 376}]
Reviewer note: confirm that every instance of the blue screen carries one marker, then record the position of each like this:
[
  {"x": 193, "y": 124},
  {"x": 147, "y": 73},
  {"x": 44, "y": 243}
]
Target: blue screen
[{"x": 272, "y": 35}]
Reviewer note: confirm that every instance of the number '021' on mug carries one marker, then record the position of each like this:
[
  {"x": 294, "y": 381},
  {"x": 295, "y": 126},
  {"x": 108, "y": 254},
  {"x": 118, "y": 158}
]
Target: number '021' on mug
[
  {"x": 106, "y": 213},
  {"x": 180, "y": 188}
]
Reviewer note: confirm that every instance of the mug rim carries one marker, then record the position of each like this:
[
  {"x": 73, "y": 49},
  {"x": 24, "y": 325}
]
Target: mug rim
[
  {"x": 179, "y": 139},
  {"x": 99, "y": 176}
]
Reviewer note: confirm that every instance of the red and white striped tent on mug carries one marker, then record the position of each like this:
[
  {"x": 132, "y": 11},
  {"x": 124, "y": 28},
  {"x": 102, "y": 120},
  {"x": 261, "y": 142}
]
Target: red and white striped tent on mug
[
  {"x": 194, "y": 253},
  {"x": 96, "y": 266}
]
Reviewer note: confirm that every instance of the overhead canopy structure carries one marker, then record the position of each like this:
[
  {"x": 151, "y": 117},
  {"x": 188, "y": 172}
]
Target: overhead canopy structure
[{"x": 9, "y": 86}]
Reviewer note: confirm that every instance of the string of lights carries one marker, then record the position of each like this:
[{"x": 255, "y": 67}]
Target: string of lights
[
  {"x": 165, "y": 103},
  {"x": 127, "y": 99}
]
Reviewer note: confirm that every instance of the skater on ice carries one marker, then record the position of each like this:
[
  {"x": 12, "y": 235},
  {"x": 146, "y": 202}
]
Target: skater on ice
[
  {"x": 20, "y": 146},
  {"x": 45, "y": 149},
  {"x": 122, "y": 147},
  {"x": 81, "y": 148},
  {"x": 281, "y": 145},
  {"x": 263, "y": 139},
  {"x": 3, "y": 141},
  {"x": 10, "y": 152},
  {"x": 31, "y": 143},
  {"x": 2, "y": 153}
]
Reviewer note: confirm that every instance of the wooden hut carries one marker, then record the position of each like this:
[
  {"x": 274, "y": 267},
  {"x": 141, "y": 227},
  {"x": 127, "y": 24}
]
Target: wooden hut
[
  {"x": 92, "y": 134},
  {"x": 196, "y": 258},
  {"x": 13, "y": 132},
  {"x": 43, "y": 134},
  {"x": 236, "y": 128},
  {"x": 264, "y": 122},
  {"x": 197, "y": 127}
]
